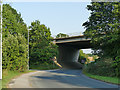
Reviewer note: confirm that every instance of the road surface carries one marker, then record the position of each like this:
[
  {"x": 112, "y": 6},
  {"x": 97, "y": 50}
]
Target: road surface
[{"x": 59, "y": 79}]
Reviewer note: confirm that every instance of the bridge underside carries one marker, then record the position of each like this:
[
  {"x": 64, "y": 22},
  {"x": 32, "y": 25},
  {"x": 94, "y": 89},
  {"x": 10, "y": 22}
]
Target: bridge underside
[{"x": 69, "y": 53}]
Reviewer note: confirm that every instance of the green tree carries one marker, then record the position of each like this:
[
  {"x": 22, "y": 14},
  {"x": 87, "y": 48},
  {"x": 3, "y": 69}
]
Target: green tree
[
  {"x": 103, "y": 28},
  {"x": 82, "y": 56},
  {"x": 41, "y": 47},
  {"x": 100, "y": 27},
  {"x": 12, "y": 22},
  {"x": 14, "y": 40},
  {"x": 60, "y": 35},
  {"x": 14, "y": 53}
]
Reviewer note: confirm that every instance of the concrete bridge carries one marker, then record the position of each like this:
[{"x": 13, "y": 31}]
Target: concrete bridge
[{"x": 69, "y": 50}]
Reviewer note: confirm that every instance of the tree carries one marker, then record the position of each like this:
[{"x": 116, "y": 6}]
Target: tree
[
  {"x": 82, "y": 56},
  {"x": 60, "y": 35},
  {"x": 100, "y": 27},
  {"x": 12, "y": 22},
  {"x": 41, "y": 47},
  {"x": 14, "y": 53},
  {"x": 14, "y": 40},
  {"x": 103, "y": 27}
]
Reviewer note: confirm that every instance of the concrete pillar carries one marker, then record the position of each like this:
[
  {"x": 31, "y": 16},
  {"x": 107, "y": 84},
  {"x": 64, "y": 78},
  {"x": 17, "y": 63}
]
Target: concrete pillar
[{"x": 68, "y": 57}]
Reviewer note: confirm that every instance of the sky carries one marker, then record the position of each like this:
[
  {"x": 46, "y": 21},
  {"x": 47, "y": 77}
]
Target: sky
[{"x": 60, "y": 17}]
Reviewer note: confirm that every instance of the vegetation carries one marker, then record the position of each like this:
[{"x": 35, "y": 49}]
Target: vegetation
[
  {"x": 15, "y": 45},
  {"x": 8, "y": 75},
  {"x": 42, "y": 50},
  {"x": 15, "y": 53},
  {"x": 103, "y": 29},
  {"x": 102, "y": 67},
  {"x": 14, "y": 40},
  {"x": 113, "y": 80},
  {"x": 15, "y": 48},
  {"x": 44, "y": 66},
  {"x": 82, "y": 56},
  {"x": 61, "y": 35}
]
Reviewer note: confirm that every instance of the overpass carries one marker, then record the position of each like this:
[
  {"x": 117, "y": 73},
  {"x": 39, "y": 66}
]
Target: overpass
[{"x": 69, "y": 50}]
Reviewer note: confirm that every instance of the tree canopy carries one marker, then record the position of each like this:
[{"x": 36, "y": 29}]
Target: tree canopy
[
  {"x": 12, "y": 22},
  {"x": 14, "y": 40},
  {"x": 41, "y": 47},
  {"x": 103, "y": 27},
  {"x": 15, "y": 35}
]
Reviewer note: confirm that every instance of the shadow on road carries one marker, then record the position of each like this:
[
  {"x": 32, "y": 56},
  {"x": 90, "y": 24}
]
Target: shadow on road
[{"x": 74, "y": 78}]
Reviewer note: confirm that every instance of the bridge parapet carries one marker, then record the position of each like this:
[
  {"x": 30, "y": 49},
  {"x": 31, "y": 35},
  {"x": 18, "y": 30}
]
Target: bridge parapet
[{"x": 71, "y": 39}]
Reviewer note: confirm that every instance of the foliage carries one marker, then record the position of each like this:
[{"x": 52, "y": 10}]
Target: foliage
[
  {"x": 61, "y": 35},
  {"x": 82, "y": 56},
  {"x": 14, "y": 40},
  {"x": 103, "y": 27},
  {"x": 102, "y": 67},
  {"x": 44, "y": 66},
  {"x": 12, "y": 22},
  {"x": 8, "y": 75},
  {"x": 14, "y": 53},
  {"x": 41, "y": 47},
  {"x": 92, "y": 55},
  {"x": 113, "y": 80}
]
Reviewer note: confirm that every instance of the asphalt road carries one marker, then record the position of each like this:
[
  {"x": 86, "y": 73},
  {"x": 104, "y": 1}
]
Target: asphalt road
[{"x": 65, "y": 79}]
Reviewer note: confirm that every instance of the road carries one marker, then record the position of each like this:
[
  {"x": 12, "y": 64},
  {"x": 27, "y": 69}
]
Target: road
[{"x": 61, "y": 79}]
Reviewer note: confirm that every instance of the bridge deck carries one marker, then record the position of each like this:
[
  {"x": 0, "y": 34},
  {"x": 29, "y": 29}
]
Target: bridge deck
[{"x": 76, "y": 41}]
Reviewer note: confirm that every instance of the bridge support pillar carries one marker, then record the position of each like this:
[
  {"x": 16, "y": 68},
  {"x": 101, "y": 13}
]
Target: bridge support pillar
[{"x": 68, "y": 57}]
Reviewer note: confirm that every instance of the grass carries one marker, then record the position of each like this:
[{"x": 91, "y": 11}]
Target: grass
[
  {"x": 113, "y": 80},
  {"x": 44, "y": 66},
  {"x": 8, "y": 75}
]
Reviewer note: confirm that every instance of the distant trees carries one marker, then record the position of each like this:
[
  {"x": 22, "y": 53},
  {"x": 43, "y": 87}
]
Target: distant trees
[
  {"x": 82, "y": 56},
  {"x": 103, "y": 27},
  {"x": 41, "y": 47},
  {"x": 61, "y": 35},
  {"x": 14, "y": 40}
]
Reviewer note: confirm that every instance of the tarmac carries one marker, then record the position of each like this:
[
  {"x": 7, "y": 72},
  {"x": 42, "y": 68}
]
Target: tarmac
[{"x": 58, "y": 79}]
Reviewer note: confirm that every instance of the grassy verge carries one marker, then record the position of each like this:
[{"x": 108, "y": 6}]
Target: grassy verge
[
  {"x": 8, "y": 75},
  {"x": 44, "y": 66},
  {"x": 113, "y": 80}
]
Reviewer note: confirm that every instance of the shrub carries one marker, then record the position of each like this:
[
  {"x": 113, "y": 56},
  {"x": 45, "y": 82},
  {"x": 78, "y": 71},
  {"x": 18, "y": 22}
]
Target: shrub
[
  {"x": 102, "y": 67},
  {"x": 15, "y": 53}
]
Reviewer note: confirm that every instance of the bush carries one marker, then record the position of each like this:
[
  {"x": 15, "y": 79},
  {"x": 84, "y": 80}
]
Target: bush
[
  {"x": 15, "y": 53},
  {"x": 44, "y": 66},
  {"x": 102, "y": 67}
]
